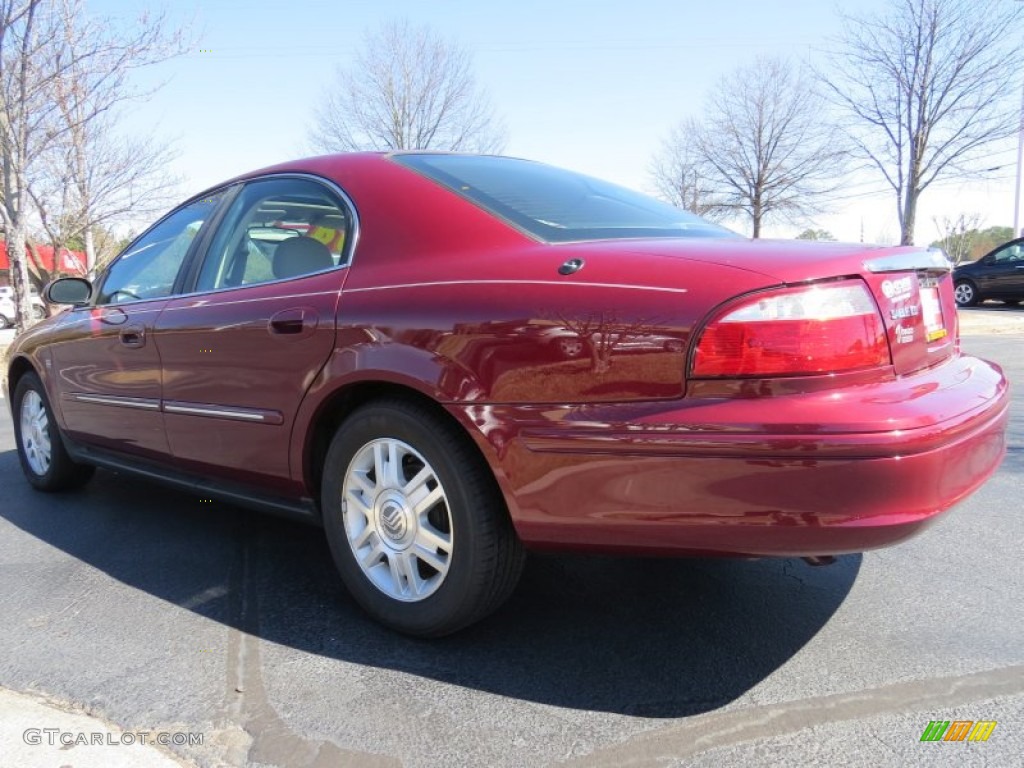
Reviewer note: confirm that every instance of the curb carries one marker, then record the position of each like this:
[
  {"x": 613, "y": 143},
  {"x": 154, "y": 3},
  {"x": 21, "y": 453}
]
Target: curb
[{"x": 38, "y": 733}]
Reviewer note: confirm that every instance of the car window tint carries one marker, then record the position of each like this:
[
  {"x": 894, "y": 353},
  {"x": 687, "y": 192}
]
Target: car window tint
[
  {"x": 1009, "y": 253},
  {"x": 148, "y": 268},
  {"x": 276, "y": 229},
  {"x": 556, "y": 205}
]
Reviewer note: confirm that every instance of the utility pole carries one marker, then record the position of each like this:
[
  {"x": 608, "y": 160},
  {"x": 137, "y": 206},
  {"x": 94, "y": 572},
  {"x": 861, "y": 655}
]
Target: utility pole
[
  {"x": 1020, "y": 162},
  {"x": 1020, "y": 165}
]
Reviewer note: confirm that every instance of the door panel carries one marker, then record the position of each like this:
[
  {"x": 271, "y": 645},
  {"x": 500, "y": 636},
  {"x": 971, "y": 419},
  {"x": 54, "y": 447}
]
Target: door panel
[
  {"x": 1001, "y": 275},
  {"x": 108, "y": 374},
  {"x": 232, "y": 382},
  {"x": 240, "y": 353},
  {"x": 108, "y": 366}
]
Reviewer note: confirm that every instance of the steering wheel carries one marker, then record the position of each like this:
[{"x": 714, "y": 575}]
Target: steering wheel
[{"x": 129, "y": 294}]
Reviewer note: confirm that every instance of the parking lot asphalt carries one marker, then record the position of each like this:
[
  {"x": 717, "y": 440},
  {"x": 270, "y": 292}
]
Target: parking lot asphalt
[
  {"x": 991, "y": 317},
  {"x": 161, "y": 613}
]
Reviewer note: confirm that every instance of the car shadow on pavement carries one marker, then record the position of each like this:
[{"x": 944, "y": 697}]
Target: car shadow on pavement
[{"x": 645, "y": 637}]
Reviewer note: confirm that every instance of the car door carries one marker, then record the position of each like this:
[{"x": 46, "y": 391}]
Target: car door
[
  {"x": 108, "y": 368},
  {"x": 1001, "y": 274},
  {"x": 241, "y": 349}
]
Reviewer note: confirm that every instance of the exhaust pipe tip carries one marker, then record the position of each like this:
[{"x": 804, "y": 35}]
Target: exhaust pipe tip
[{"x": 819, "y": 560}]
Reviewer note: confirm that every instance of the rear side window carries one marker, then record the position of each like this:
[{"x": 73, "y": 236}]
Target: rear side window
[
  {"x": 277, "y": 229},
  {"x": 556, "y": 205}
]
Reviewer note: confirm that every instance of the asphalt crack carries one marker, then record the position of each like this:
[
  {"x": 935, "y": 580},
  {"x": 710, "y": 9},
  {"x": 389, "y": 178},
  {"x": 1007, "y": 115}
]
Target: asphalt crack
[{"x": 251, "y": 731}]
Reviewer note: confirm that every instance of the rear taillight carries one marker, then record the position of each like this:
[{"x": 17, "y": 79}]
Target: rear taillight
[{"x": 814, "y": 329}]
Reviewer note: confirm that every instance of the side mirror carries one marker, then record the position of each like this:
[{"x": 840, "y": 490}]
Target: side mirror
[{"x": 68, "y": 290}]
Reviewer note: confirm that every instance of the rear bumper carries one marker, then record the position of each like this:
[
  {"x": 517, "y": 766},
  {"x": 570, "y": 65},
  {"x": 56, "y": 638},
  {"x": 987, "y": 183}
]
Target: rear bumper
[{"x": 798, "y": 474}]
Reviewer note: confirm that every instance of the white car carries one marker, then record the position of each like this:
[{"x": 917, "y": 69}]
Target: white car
[{"x": 7, "y": 308}]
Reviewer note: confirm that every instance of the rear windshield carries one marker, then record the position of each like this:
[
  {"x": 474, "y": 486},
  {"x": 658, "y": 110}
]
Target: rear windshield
[{"x": 556, "y": 205}]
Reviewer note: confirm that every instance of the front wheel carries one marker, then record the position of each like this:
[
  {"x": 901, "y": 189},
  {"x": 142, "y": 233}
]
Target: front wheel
[
  {"x": 415, "y": 521},
  {"x": 965, "y": 293},
  {"x": 45, "y": 462}
]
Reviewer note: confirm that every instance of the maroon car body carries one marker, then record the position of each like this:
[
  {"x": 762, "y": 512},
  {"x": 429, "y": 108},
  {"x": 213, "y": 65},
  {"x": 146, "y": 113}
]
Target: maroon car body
[{"x": 621, "y": 445}]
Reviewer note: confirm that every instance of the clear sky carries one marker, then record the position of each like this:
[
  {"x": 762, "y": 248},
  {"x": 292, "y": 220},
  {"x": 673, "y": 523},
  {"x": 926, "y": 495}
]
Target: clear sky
[{"x": 593, "y": 86}]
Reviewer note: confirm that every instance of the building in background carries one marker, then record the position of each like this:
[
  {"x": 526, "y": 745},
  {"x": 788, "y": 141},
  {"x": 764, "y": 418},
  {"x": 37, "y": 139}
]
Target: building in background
[{"x": 44, "y": 263}]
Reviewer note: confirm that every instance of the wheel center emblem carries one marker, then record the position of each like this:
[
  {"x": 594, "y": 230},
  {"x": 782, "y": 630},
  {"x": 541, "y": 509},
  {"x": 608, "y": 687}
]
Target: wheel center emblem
[{"x": 392, "y": 520}]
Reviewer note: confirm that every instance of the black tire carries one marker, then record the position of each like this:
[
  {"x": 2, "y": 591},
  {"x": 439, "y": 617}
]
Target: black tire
[
  {"x": 966, "y": 293},
  {"x": 486, "y": 557},
  {"x": 61, "y": 473},
  {"x": 5, "y": 323}
]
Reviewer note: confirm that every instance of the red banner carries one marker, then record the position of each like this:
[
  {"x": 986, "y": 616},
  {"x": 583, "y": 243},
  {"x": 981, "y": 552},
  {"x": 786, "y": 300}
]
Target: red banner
[{"x": 71, "y": 262}]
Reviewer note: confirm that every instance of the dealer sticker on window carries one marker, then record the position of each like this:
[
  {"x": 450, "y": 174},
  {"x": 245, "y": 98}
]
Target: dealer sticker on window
[{"x": 931, "y": 312}]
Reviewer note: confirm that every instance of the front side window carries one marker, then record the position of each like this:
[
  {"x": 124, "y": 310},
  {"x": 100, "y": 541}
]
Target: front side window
[
  {"x": 556, "y": 205},
  {"x": 1010, "y": 253},
  {"x": 148, "y": 269},
  {"x": 277, "y": 229}
]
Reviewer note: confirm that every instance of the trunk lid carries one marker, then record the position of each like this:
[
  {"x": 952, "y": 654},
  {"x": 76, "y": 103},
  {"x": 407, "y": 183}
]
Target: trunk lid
[{"x": 912, "y": 286}]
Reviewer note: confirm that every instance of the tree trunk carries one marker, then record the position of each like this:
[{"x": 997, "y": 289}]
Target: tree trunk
[
  {"x": 600, "y": 353},
  {"x": 90, "y": 251},
  {"x": 19, "y": 276},
  {"x": 909, "y": 215}
]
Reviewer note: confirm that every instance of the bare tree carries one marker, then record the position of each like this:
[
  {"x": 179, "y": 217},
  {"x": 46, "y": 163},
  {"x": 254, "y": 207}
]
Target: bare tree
[
  {"x": 61, "y": 74},
  {"x": 408, "y": 89},
  {"x": 682, "y": 177},
  {"x": 25, "y": 73},
  {"x": 93, "y": 176},
  {"x": 957, "y": 236},
  {"x": 922, "y": 89},
  {"x": 603, "y": 332},
  {"x": 767, "y": 150}
]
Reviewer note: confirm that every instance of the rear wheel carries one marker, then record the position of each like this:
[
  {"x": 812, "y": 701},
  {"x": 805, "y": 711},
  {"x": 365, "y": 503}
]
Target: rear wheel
[
  {"x": 570, "y": 348},
  {"x": 5, "y": 323},
  {"x": 415, "y": 521},
  {"x": 965, "y": 293},
  {"x": 46, "y": 464}
]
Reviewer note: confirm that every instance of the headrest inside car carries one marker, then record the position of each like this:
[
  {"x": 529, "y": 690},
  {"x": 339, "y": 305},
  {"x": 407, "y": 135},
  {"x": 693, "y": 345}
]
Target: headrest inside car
[{"x": 300, "y": 256}]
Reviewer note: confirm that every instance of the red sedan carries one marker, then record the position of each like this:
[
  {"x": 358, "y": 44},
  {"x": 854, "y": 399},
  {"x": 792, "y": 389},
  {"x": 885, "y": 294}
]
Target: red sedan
[{"x": 448, "y": 359}]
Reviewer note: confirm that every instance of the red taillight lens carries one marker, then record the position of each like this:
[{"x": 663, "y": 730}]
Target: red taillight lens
[{"x": 814, "y": 329}]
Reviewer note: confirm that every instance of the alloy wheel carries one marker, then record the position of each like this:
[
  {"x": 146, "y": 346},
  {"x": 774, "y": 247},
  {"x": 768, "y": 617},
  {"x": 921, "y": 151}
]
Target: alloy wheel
[
  {"x": 963, "y": 293},
  {"x": 397, "y": 520},
  {"x": 35, "y": 434},
  {"x": 571, "y": 347}
]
